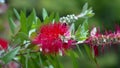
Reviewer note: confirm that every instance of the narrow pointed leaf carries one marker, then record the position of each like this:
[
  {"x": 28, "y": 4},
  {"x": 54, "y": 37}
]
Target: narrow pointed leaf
[
  {"x": 23, "y": 22},
  {"x": 12, "y": 25},
  {"x": 80, "y": 51},
  {"x": 74, "y": 59},
  {"x": 31, "y": 18},
  {"x": 51, "y": 18},
  {"x": 57, "y": 17},
  {"x": 82, "y": 31},
  {"x": 44, "y": 13},
  {"x": 39, "y": 23},
  {"x": 72, "y": 29},
  {"x": 22, "y": 36},
  {"x": 10, "y": 55},
  {"x": 85, "y": 7},
  {"x": 16, "y": 13},
  {"x": 89, "y": 52}
]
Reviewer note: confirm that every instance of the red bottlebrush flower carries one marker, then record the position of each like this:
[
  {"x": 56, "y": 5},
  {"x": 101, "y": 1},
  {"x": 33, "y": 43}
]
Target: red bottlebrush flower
[
  {"x": 52, "y": 38},
  {"x": 3, "y": 44}
]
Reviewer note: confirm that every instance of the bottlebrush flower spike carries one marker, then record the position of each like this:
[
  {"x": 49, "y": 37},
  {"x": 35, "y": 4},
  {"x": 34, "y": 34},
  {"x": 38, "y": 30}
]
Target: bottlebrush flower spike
[
  {"x": 3, "y": 44},
  {"x": 52, "y": 38},
  {"x": 110, "y": 38},
  {"x": 97, "y": 39},
  {"x": 90, "y": 40}
]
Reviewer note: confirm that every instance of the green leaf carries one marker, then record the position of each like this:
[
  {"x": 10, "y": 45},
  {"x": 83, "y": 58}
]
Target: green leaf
[
  {"x": 35, "y": 16},
  {"x": 10, "y": 55},
  {"x": 85, "y": 25},
  {"x": 27, "y": 58},
  {"x": 87, "y": 13},
  {"x": 40, "y": 60},
  {"x": 58, "y": 63},
  {"x": 77, "y": 33},
  {"x": 22, "y": 61},
  {"x": 17, "y": 40},
  {"x": 90, "y": 13},
  {"x": 34, "y": 57},
  {"x": 72, "y": 29},
  {"x": 79, "y": 50},
  {"x": 23, "y": 22},
  {"x": 31, "y": 18},
  {"x": 82, "y": 31},
  {"x": 22, "y": 36},
  {"x": 12, "y": 25},
  {"x": 16, "y": 13},
  {"x": 57, "y": 17},
  {"x": 51, "y": 18},
  {"x": 85, "y": 7},
  {"x": 46, "y": 21},
  {"x": 33, "y": 65},
  {"x": 44, "y": 14},
  {"x": 89, "y": 52},
  {"x": 39, "y": 23},
  {"x": 54, "y": 61},
  {"x": 74, "y": 59}
]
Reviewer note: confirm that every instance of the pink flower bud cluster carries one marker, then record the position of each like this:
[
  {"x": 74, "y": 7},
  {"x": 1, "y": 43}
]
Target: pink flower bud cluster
[{"x": 97, "y": 39}]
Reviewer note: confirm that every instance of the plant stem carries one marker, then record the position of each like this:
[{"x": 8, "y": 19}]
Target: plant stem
[
  {"x": 26, "y": 62},
  {"x": 27, "y": 53}
]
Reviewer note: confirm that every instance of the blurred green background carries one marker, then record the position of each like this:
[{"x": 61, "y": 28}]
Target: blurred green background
[
  {"x": 107, "y": 15},
  {"x": 107, "y": 12}
]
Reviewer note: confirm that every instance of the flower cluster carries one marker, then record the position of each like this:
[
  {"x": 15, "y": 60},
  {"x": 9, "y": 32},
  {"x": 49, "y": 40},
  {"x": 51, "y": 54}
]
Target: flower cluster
[
  {"x": 73, "y": 18},
  {"x": 52, "y": 38},
  {"x": 69, "y": 19}
]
